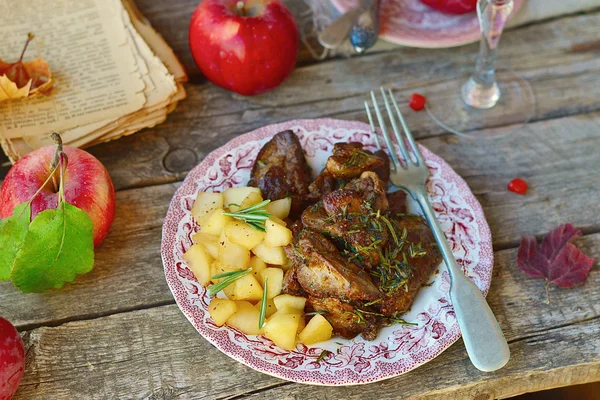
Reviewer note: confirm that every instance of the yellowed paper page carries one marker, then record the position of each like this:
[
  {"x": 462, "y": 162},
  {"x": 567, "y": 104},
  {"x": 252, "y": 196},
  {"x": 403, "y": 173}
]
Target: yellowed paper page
[
  {"x": 156, "y": 42},
  {"x": 85, "y": 43}
]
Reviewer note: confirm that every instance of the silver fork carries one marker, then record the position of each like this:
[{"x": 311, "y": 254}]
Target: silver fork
[{"x": 483, "y": 338}]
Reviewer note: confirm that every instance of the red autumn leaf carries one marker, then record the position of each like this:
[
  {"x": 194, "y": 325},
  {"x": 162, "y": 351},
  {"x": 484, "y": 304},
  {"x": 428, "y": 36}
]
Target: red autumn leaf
[{"x": 556, "y": 259}]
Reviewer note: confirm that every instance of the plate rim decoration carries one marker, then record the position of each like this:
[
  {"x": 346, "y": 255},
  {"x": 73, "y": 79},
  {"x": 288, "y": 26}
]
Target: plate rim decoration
[{"x": 398, "y": 348}]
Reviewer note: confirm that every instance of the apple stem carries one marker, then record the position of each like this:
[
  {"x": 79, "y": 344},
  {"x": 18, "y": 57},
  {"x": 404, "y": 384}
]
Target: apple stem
[
  {"x": 240, "y": 6},
  {"x": 30, "y": 37},
  {"x": 59, "y": 160},
  {"x": 64, "y": 161},
  {"x": 56, "y": 159}
]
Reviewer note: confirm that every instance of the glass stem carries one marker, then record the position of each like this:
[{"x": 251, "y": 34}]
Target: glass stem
[{"x": 481, "y": 90}]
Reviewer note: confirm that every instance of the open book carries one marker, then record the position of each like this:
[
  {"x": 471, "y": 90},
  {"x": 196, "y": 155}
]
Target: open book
[{"x": 113, "y": 74}]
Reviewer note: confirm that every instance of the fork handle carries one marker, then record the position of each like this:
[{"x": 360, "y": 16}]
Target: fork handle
[{"x": 482, "y": 335}]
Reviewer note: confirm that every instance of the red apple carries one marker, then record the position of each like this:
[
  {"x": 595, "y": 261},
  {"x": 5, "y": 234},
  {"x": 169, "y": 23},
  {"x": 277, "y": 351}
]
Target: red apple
[
  {"x": 247, "y": 46},
  {"x": 12, "y": 359},
  {"x": 87, "y": 186},
  {"x": 452, "y": 6}
]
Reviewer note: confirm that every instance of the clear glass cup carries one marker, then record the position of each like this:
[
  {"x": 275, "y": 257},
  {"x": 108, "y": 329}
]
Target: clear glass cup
[{"x": 493, "y": 101}]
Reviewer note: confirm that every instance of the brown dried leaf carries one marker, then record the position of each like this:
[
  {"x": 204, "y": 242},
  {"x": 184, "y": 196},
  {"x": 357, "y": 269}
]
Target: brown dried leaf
[{"x": 24, "y": 79}]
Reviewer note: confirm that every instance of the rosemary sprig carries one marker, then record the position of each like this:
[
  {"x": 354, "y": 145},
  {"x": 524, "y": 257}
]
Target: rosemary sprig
[
  {"x": 255, "y": 215},
  {"x": 323, "y": 354},
  {"x": 230, "y": 277},
  {"x": 373, "y": 302},
  {"x": 392, "y": 230},
  {"x": 403, "y": 322},
  {"x": 312, "y": 313},
  {"x": 263, "y": 305},
  {"x": 416, "y": 250},
  {"x": 357, "y": 158}
]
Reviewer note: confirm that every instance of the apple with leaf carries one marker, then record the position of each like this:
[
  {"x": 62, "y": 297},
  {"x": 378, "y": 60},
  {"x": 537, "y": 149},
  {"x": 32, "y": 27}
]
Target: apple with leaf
[{"x": 56, "y": 204}]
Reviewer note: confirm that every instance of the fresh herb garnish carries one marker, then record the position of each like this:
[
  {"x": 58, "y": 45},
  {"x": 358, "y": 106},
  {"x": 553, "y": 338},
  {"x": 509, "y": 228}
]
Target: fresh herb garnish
[
  {"x": 322, "y": 356},
  {"x": 263, "y": 305},
  {"x": 400, "y": 321},
  {"x": 359, "y": 316},
  {"x": 392, "y": 230},
  {"x": 312, "y": 313},
  {"x": 255, "y": 215},
  {"x": 416, "y": 250},
  {"x": 230, "y": 277},
  {"x": 373, "y": 302},
  {"x": 357, "y": 159}
]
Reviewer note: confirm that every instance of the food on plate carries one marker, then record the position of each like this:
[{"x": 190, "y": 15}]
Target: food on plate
[
  {"x": 239, "y": 250},
  {"x": 339, "y": 249},
  {"x": 518, "y": 186},
  {"x": 356, "y": 256},
  {"x": 452, "y": 6},
  {"x": 281, "y": 171},
  {"x": 248, "y": 46},
  {"x": 12, "y": 359}
]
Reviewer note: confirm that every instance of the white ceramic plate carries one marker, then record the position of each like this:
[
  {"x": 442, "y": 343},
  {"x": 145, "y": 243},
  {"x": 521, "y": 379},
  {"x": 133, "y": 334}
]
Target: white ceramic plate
[{"x": 398, "y": 348}]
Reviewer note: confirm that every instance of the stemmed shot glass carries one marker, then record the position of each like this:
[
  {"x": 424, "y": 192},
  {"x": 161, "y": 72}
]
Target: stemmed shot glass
[{"x": 493, "y": 101}]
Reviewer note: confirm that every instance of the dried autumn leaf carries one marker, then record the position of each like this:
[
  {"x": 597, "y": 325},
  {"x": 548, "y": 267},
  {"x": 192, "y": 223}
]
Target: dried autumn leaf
[
  {"x": 556, "y": 259},
  {"x": 24, "y": 79}
]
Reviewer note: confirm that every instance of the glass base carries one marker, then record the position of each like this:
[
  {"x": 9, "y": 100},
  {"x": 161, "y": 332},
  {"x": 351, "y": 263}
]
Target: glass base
[{"x": 514, "y": 108}]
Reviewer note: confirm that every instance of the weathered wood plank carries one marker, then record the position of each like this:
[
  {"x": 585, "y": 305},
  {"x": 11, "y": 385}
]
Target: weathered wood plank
[
  {"x": 565, "y": 83},
  {"x": 140, "y": 353},
  {"x": 557, "y": 158}
]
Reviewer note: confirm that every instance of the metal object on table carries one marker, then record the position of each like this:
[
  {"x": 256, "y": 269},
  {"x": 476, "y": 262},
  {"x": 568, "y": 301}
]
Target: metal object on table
[
  {"x": 365, "y": 30},
  {"x": 483, "y": 338},
  {"x": 334, "y": 35}
]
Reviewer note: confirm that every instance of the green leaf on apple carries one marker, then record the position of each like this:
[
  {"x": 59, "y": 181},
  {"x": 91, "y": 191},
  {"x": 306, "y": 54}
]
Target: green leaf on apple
[
  {"x": 57, "y": 247},
  {"x": 12, "y": 234}
]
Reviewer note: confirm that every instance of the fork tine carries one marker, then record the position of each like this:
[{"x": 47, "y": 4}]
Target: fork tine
[
  {"x": 384, "y": 131},
  {"x": 399, "y": 139},
  {"x": 373, "y": 131},
  {"x": 409, "y": 136}
]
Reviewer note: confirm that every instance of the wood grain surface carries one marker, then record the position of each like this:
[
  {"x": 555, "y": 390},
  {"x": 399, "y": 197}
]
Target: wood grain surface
[{"x": 116, "y": 333}]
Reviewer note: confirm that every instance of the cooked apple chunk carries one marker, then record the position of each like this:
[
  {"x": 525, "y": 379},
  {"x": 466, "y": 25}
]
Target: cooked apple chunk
[
  {"x": 282, "y": 329},
  {"x": 243, "y": 234},
  {"x": 276, "y": 235},
  {"x": 199, "y": 261},
  {"x": 245, "y": 319},
  {"x": 317, "y": 330},
  {"x": 270, "y": 255},
  {"x": 205, "y": 204},
  {"x": 221, "y": 309}
]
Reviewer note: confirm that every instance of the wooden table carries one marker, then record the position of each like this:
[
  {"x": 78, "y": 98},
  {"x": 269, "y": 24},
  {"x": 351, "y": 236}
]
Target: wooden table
[{"x": 116, "y": 332}]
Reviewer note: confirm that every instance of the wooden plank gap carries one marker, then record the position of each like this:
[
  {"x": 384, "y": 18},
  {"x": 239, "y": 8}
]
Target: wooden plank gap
[{"x": 92, "y": 316}]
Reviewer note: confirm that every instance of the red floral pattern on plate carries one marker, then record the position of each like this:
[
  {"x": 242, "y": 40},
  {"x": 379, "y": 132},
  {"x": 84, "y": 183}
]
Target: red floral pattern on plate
[
  {"x": 398, "y": 348},
  {"x": 412, "y": 23}
]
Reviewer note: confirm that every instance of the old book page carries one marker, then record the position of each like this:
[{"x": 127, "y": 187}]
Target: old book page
[
  {"x": 97, "y": 77},
  {"x": 158, "y": 45}
]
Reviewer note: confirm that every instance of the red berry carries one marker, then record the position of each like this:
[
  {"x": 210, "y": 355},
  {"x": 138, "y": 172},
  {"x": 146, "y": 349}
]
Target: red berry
[
  {"x": 518, "y": 186},
  {"x": 417, "y": 102},
  {"x": 12, "y": 359}
]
